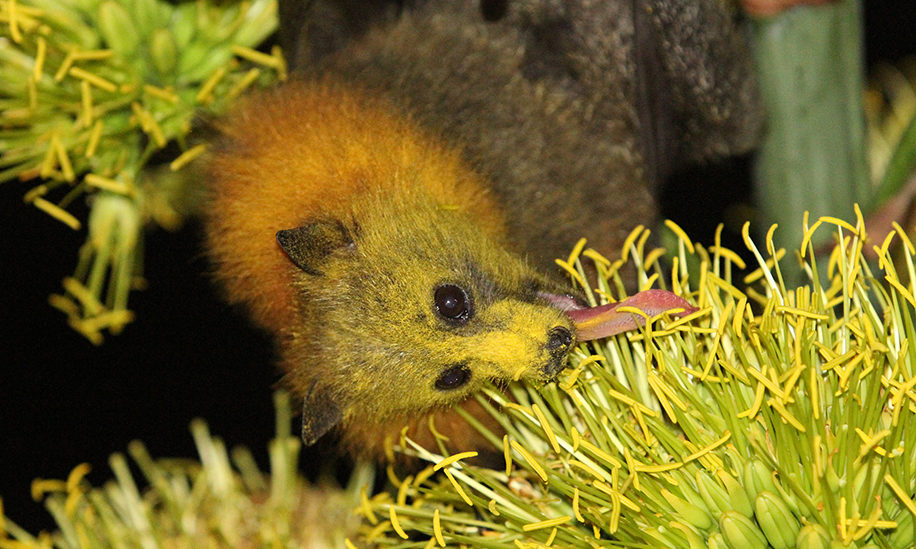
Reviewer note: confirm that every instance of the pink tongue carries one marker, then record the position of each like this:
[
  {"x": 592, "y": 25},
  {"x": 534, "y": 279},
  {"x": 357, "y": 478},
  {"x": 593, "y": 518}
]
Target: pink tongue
[{"x": 604, "y": 320}]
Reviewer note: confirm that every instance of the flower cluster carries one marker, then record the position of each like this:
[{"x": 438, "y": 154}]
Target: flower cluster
[
  {"x": 98, "y": 99},
  {"x": 773, "y": 417}
]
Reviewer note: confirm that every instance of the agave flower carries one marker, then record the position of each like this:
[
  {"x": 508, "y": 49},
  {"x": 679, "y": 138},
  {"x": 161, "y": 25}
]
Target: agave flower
[
  {"x": 772, "y": 417},
  {"x": 224, "y": 500},
  {"x": 97, "y": 100}
]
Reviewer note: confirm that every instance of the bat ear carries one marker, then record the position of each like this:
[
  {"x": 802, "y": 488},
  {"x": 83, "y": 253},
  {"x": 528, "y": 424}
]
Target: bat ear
[
  {"x": 319, "y": 415},
  {"x": 308, "y": 245}
]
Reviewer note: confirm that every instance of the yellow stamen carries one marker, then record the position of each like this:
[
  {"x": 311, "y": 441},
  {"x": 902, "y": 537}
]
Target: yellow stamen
[
  {"x": 92, "y": 55},
  {"x": 107, "y": 184},
  {"x": 767, "y": 382},
  {"x": 437, "y": 528},
  {"x": 549, "y": 523},
  {"x": 423, "y": 475},
  {"x": 625, "y": 501},
  {"x": 458, "y": 487},
  {"x": 628, "y": 242},
  {"x": 900, "y": 288},
  {"x": 366, "y": 507},
  {"x": 551, "y": 537},
  {"x": 729, "y": 255},
  {"x": 616, "y": 395},
  {"x": 530, "y": 459},
  {"x": 709, "y": 448},
  {"x": 599, "y": 453},
  {"x": 577, "y": 278},
  {"x": 800, "y": 312},
  {"x": 661, "y": 468},
  {"x": 41, "y": 486},
  {"x": 243, "y": 84},
  {"x": 94, "y": 79},
  {"x": 12, "y": 14},
  {"x": 586, "y": 468},
  {"x": 785, "y": 414},
  {"x": 206, "y": 90},
  {"x": 507, "y": 454},
  {"x": 256, "y": 57},
  {"x": 94, "y": 137},
  {"x": 548, "y": 430},
  {"x": 57, "y": 213},
  {"x": 402, "y": 490},
  {"x": 452, "y": 459},
  {"x": 184, "y": 158},
  {"x": 492, "y": 507},
  {"x": 758, "y": 401},
  {"x": 148, "y": 124},
  {"x": 653, "y": 257},
  {"x": 905, "y": 238},
  {"x": 654, "y": 384},
  {"x": 681, "y": 235},
  {"x": 64, "y": 304},
  {"x": 869, "y": 443},
  {"x": 595, "y": 256},
  {"x": 282, "y": 69},
  {"x": 161, "y": 93},
  {"x": 73, "y": 499},
  {"x": 844, "y": 533},
  {"x": 717, "y": 341},
  {"x": 614, "y": 520},
  {"x": 632, "y": 466},
  {"x": 63, "y": 160},
  {"x": 86, "y": 103},
  {"x": 575, "y": 505},
  {"x": 40, "y": 54},
  {"x": 839, "y": 222},
  {"x": 396, "y": 523}
]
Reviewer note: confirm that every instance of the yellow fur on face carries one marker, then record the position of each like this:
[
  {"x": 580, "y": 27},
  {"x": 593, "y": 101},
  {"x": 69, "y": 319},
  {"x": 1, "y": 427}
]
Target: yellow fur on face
[{"x": 360, "y": 328}]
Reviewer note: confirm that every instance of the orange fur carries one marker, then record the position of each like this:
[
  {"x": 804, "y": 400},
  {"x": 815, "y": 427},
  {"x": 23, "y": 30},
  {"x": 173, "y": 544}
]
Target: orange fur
[{"x": 311, "y": 150}]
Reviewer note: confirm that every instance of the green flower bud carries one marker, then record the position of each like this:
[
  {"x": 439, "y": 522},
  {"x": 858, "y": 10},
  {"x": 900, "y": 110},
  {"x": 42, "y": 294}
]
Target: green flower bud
[
  {"x": 757, "y": 478},
  {"x": 150, "y": 15},
  {"x": 117, "y": 28},
  {"x": 693, "y": 515},
  {"x": 778, "y": 523},
  {"x": 740, "y": 532},
  {"x": 163, "y": 51},
  {"x": 694, "y": 540},
  {"x": 902, "y": 536},
  {"x": 716, "y": 541},
  {"x": 713, "y": 494},
  {"x": 812, "y": 536},
  {"x": 737, "y": 496}
]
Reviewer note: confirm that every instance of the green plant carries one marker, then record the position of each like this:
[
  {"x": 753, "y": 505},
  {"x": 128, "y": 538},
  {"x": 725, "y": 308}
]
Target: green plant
[
  {"x": 223, "y": 500},
  {"x": 97, "y": 102},
  {"x": 774, "y": 417}
]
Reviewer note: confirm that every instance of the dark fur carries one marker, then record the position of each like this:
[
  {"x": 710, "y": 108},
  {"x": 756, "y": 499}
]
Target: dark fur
[{"x": 575, "y": 109}]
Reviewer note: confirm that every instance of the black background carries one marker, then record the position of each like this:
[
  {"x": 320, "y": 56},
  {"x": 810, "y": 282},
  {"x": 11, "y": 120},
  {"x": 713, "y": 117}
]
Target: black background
[{"x": 64, "y": 401}]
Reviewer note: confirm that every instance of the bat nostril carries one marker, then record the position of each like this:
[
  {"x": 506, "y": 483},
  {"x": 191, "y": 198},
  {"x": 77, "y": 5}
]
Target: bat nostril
[{"x": 559, "y": 339}]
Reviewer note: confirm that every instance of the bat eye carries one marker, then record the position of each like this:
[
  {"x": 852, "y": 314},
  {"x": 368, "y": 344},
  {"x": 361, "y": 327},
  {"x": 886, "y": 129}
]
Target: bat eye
[
  {"x": 452, "y": 303},
  {"x": 453, "y": 377}
]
